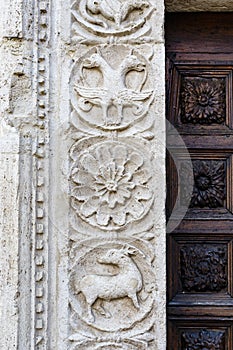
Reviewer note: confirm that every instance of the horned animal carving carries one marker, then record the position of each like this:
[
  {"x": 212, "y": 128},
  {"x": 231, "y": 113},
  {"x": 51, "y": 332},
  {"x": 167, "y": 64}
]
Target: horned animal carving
[{"x": 127, "y": 283}]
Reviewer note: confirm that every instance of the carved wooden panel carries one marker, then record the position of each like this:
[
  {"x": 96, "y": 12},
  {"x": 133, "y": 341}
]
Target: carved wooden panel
[
  {"x": 203, "y": 268},
  {"x": 202, "y": 335},
  {"x": 209, "y": 183},
  {"x": 199, "y": 107},
  {"x": 201, "y": 96},
  {"x": 202, "y": 100},
  {"x": 203, "y": 339}
]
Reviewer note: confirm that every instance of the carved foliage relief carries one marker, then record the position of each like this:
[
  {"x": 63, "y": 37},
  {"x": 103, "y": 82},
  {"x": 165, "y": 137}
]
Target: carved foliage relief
[
  {"x": 203, "y": 100},
  {"x": 209, "y": 190},
  {"x": 203, "y": 339},
  {"x": 203, "y": 268}
]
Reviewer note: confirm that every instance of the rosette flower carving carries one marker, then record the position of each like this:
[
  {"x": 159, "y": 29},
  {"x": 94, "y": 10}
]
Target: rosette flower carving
[
  {"x": 110, "y": 185},
  {"x": 203, "y": 101},
  {"x": 209, "y": 188}
]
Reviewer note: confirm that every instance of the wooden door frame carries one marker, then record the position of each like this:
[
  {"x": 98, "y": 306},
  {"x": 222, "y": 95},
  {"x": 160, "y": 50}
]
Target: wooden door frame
[{"x": 167, "y": 286}]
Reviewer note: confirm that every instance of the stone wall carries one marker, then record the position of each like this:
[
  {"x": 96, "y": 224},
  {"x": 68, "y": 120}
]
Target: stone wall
[{"x": 82, "y": 175}]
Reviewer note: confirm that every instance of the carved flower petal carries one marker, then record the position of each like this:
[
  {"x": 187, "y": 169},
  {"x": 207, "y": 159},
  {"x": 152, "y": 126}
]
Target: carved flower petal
[
  {"x": 141, "y": 176},
  {"x": 135, "y": 208},
  {"x": 120, "y": 155},
  {"x": 103, "y": 155},
  {"x": 122, "y": 194},
  {"x": 82, "y": 192},
  {"x": 112, "y": 199},
  {"x": 89, "y": 207},
  {"x": 125, "y": 179},
  {"x": 81, "y": 176},
  {"x": 142, "y": 192},
  {"x": 119, "y": 173},
  {"x": 108, "y": 172},
  {"x": 134, "y": 162},
  {"x": 90, "y": 164},
  {"x": 102, "y": 217},
  {"x": 119, "y": 218}
]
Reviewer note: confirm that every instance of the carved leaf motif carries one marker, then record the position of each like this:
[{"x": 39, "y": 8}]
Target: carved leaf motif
[
  {"x": 110, "y": 185},
  {"x": 203, "y": 340},
  {"x": 203, "y": 100},
  {"x": 203, "y": 268},
  {"x": 209, "y": 188}
]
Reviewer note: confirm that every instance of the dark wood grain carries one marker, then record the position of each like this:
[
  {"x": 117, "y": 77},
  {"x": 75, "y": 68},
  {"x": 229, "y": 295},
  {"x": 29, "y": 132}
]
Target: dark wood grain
[{"x": 199, "y": 251}]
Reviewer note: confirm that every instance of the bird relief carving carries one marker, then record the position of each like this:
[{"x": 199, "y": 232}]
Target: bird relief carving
[
  {"x": 107, "y": 95},
  {"x": 110, "y": 17}
]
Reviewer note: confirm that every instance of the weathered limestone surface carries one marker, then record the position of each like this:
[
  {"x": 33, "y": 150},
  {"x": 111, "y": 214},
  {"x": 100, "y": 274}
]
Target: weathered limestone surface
[
  {"x": 109, "y": 165},
  {"x": 83, "y": 188},
  {"x": 9, "y": 237}
]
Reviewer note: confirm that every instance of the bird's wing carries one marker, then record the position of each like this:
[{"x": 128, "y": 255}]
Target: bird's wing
[
  {"x": 90, "y": 93},
  {"x": 134, "y": 95}
]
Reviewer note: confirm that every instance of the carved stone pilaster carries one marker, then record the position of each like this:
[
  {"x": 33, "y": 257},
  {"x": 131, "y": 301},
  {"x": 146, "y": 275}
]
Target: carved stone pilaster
[{"x": 113, "y": 288}]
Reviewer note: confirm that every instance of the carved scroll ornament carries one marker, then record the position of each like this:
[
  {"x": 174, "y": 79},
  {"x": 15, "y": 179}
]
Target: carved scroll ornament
[{"x": 108, "y": 18}]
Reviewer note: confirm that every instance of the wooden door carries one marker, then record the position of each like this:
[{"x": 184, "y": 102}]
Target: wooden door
[{"x": 199, "y": 50}]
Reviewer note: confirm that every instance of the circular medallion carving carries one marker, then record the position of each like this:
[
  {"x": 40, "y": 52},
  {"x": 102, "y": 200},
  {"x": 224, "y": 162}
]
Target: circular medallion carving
[
  {"x": 93, "y": 97},
  {"x": 111, "y": 18},
  {"x": 111, "y": 184},
  {"x": 111, "y": 285}
]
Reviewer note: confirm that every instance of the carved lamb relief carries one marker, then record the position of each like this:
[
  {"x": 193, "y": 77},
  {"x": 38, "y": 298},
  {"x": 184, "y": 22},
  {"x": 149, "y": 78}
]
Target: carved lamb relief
[
  {"x": 127, "y": 283},
  {"x": 112, "y": 287},
  {"x": 93, "y": 97}
]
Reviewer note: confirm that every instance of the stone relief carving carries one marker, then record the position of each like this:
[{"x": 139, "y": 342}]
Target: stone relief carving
[
  {"x": 112, "y": 289},
  {"x": 203, "y": 268},
  {"x": 110, "y": 184},
  {"x": 209, "y": 183},
  {"x": 118, "y": 343},
  {"x": 112, "y": 286},
  {"x": 203, "y": 339},
  {"x": 94, "y": 100},
  {"x": 203, "y": 100},
  {"x": 109, "y": 19}
]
